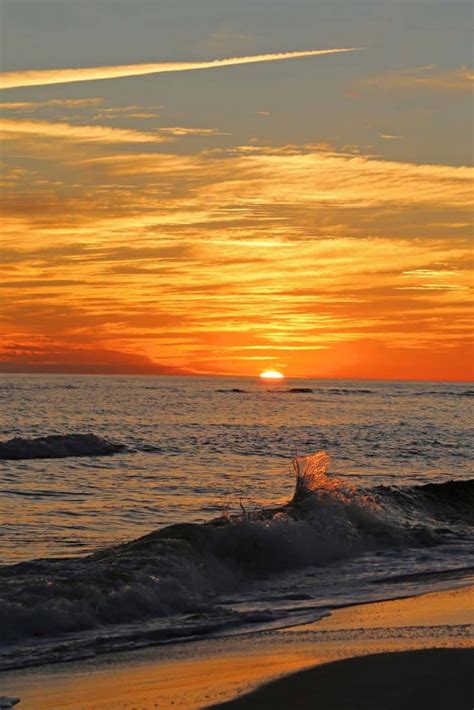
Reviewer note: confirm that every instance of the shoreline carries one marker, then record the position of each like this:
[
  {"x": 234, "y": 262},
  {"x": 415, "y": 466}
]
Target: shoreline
[{"x": 208, "y": 672}]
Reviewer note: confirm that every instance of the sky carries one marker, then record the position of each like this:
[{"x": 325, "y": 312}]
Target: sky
[{"x": 304, "y": 205}]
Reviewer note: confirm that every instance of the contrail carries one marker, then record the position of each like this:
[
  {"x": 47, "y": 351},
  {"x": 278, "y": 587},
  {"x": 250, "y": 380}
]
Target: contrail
[{"x": 42, "y": 77}]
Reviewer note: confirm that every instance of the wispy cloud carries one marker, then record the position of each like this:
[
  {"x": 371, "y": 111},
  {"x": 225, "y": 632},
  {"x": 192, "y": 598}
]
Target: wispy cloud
[
  {"x": 428, "y": 77},
  {"x": 127, "y": 112},
  {"x": 15, "y": 129},
  {"x": 189, "y": 131},
  {"x": 255, "y": 177},
  {"x": 31, "y": 105},
  {"x": 42, "y": 77}
]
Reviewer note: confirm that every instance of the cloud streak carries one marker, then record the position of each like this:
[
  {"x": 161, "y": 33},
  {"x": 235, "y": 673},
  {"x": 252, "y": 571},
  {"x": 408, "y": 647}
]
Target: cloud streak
[
  {"x": 16, "y": 129},
  {"x": 42, "y": 77}
]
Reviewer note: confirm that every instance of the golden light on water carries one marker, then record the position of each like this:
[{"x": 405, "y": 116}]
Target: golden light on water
[{"x": 272, "y": 375}]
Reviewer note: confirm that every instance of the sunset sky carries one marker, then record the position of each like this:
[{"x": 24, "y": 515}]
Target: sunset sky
[{"x": 309, "y": 214}]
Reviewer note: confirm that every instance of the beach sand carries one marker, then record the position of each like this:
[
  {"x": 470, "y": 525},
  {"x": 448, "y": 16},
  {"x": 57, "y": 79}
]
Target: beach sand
[
  {"x": 412, "y": 680},
  {"x": 379, "y": 639}
]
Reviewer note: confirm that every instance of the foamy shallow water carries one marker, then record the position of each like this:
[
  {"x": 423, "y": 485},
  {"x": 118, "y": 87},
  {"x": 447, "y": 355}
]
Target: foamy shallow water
[{"x": 138, "y": 454}]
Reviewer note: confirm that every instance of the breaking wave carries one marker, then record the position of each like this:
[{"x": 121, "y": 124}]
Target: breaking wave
[
  {"x": 57, "y": 446},
  {"x": 181, "y": 571}
]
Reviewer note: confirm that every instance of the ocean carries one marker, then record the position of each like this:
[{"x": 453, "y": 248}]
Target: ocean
[{"x": 147, "y": 510}]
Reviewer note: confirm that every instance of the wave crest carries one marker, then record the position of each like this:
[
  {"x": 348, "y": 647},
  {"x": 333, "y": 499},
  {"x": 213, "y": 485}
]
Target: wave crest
[
  {"x": 57, "y": 446},
  {"x": 182, "y": 569}
]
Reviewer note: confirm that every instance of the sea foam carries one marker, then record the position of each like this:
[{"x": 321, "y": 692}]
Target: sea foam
[{"x": 183, "y": 568}]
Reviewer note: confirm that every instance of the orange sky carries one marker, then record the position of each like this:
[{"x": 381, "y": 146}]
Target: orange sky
[{"x": 139, "y": 238}]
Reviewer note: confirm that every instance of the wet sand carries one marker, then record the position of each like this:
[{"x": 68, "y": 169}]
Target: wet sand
[{"x": 205, "y": 673}]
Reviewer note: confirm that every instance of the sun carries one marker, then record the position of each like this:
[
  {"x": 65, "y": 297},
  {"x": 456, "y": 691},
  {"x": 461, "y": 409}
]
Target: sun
[{"x": 272, "y": 375}]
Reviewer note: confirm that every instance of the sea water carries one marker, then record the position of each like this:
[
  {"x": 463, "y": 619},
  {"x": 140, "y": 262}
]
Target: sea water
[{"x": 109, "y": 486}]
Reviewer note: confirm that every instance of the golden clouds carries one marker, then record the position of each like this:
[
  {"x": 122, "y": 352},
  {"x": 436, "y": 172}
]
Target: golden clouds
[
  {"x": 301, "y": 176},
  {"x": 14, "y": 129},
  {"x": 349, "y": 181},
  {"x": 49, "y": 103},
  {"x": 187, "y": 131},
  {"x": 227, "y": 260},
  {"x": 42, "y": 77}
]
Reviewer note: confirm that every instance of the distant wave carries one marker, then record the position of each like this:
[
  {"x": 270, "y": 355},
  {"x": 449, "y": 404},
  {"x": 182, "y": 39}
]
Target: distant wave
[
  {"x": 443, "y": 393},
  {"x": 362, "y": 391},
  {"x": 331, "y": 390},
  {"x": 299, "y": 390},
  {"x": 344, "y": 391},
  {"x": 181, "y": 569},
  {"x": 57, "y": 446},
  {"x": 326, "y": 391},
  {"x": 347, "y": 390}
]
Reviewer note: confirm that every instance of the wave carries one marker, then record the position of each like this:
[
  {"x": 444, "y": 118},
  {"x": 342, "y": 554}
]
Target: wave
[
  {"x": 344, "y": 391},
  {"x": 182, "y": 569},
  {"x": 445, "y": 393},
  {"x": 328, "y": 390},
  {"x": 300, "y": 390},
  {"x": 57, "y": 446},
  {"x": 451, "y": 502}
]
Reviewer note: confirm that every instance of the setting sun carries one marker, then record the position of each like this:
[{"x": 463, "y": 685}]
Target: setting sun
[{"x": 272, "y": 375}]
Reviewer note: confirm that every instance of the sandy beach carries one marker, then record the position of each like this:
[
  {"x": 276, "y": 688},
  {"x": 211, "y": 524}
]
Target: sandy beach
[
  {"x": 391, "y": 645},
  {"x": 409, "y": 679}
]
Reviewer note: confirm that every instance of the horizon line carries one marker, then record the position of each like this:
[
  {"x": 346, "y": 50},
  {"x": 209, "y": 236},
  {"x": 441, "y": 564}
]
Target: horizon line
[{"x": 230, "y": 376}]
